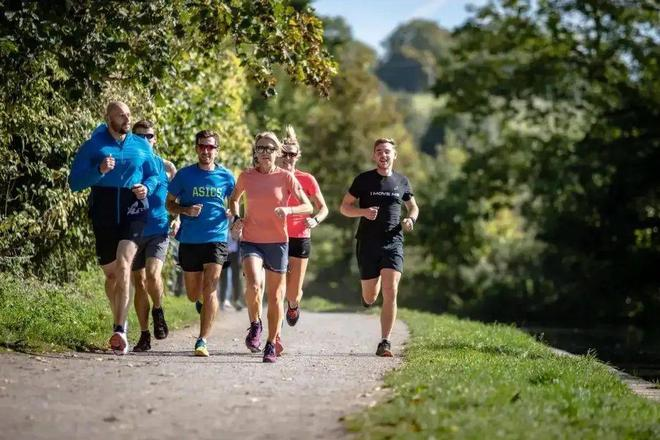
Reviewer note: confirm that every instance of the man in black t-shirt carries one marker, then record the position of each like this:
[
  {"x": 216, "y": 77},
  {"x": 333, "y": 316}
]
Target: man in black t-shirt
[{"x": 379, "y": 249}]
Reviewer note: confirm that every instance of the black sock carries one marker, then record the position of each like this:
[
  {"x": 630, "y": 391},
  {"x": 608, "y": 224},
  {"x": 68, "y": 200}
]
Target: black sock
[
  {"x": 145, "y": 331},
  {"x": 119, "y": 328}
]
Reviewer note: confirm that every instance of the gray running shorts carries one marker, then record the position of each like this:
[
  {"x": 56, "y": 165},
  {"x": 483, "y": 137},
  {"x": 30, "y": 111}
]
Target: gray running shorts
[
  {"x": 153, "y": 246},
  {"x": 274, "y": 255}
]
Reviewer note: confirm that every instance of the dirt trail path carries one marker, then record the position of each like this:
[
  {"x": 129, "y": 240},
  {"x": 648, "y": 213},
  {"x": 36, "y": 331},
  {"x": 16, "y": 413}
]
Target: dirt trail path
[{"x": 328, "y": 370}]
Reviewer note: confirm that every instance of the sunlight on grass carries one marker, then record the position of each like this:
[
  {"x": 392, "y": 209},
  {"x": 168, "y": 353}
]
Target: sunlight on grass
[{"x": 465, "y": 379}]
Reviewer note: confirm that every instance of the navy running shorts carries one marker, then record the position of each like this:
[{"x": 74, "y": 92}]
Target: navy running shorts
[{"x": 274, "y": 255}]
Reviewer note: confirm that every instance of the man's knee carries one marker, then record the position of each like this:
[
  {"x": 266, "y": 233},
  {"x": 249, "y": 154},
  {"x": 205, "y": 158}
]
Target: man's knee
[{"x": 153, "y": 277}]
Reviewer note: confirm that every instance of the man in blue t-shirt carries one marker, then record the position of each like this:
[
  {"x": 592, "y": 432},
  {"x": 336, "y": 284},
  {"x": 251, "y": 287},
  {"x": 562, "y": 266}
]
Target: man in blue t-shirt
[
  {"x": 197, "y": 193},
  {"x": 121, "y": 171},
  {"x": 152, "y": 249},
  {"x": 380, "y": 193}
]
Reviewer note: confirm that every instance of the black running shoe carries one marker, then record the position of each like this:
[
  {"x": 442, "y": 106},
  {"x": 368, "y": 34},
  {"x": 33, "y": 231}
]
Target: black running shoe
[
  {"x": 384, "y": 349},
  {"x": 365, "y": 304},
  {"x": 160, "y": 326},
  {"x": 144, "y": 344},
  {"x": 292, "y": 315}
]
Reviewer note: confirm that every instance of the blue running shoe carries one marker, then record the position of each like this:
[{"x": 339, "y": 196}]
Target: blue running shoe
[{"x": 200, "y": 348}]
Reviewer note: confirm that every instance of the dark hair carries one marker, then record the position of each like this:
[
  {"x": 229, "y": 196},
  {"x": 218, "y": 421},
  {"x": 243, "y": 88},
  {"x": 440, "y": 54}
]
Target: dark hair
[
  {"x": 143, "y": 124},
  {"x": 379, "y": 141},
  {"x": 207, "y": 134}
]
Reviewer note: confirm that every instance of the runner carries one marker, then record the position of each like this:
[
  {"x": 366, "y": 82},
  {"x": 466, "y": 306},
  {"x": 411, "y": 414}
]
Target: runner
[
  {"x": 120, "y": 169},
  {"x": 299, "y": 226},
  {"x": 379, "y": 248},
  {"x": 152, "y": 249},
  {"x": 264, "y": 237},
  {"x": 201, "y": 190}
]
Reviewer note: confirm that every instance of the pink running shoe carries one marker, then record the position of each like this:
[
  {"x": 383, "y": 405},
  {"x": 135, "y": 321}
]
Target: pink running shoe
[{"x": 119, "y": 343}]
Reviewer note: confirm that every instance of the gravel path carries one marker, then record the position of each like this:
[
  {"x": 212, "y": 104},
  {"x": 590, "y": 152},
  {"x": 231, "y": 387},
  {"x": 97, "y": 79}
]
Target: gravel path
[{"x": 328, "y": 370}]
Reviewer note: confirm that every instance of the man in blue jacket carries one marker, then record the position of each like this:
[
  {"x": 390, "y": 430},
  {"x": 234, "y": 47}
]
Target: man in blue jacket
[
  {"x": 152, "y": 249},
  {"x": 120, "y": 169}
]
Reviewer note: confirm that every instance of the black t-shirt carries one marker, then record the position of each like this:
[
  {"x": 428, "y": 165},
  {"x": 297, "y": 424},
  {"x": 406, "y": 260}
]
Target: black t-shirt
[{"x": 387, "y": 193}]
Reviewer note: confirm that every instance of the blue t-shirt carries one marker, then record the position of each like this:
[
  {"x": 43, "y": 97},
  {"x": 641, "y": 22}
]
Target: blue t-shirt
[
  {"x": 192, "y": 185},
  {"x": 158, "y": 219}
]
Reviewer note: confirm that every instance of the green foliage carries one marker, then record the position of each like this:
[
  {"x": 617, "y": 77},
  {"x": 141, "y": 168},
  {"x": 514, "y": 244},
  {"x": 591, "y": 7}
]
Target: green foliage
[
  {"x": 553, "y": 214},
  {"x": 38, "y": 316},
  {"x": 62, "y": 62},
  {"x": 466, "y": 380},
  {"x": 336, "y": 138},
  {"x": 415, "y": 50}
]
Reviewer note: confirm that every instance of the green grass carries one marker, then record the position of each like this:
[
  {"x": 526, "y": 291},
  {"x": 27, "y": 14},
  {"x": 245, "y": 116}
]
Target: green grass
[
  {"x": 36, "y": 316},
  {"x": 467, "y": 380}
]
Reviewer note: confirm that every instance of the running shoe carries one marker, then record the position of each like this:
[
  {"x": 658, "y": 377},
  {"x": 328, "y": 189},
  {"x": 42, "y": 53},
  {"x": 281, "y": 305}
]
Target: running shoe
[
  {"x": 365, "y": 304},
  {"x": 269, "y": 353},
  {"x": 384, "y": 349},
  {"x": 119, "y": 343},
  {"x": 200, "y": 348},
  {"x": 292, "y": 315},
  {"x": 160, "y": 326},
  {"x": 279, "y": 348},
  {"x": 226, "y": 305},
  {"x": 253, "y": 338},
  {"x": 144, "y": 344},
  {"x": 198, "y": 306},
  {"x": 238, "y": 306}
]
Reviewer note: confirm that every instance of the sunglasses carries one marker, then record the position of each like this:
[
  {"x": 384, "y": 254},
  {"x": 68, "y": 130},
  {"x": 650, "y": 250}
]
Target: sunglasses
[
  {"x": 206, "y": 146},
  {"x": 291, "y": 155},
  {"x": 265, "y": 149},
  {"x": 149, "y": 136}
]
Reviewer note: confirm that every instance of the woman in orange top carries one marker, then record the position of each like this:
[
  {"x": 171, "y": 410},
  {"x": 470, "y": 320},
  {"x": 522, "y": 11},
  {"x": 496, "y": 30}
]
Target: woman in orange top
[
  {"x": 264, "y": 242},
  {"x": 299, "y": 226}
]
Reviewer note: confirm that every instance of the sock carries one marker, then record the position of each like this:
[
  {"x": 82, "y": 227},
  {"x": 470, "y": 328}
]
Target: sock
[
  {"x": 118, "y": 328},
  {"x": 145, "y": 332}
]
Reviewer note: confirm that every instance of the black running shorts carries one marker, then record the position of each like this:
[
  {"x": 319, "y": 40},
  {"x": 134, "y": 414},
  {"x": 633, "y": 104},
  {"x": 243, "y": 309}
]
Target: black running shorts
[
  {"x": 193, "y": 256},
  {"x": 116, "y": 215},
  {"x": 300, "y": 247},
  {"x": 373, "y": 255}
]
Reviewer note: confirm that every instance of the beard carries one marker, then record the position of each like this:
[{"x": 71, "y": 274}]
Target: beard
[{"x": 118, "y": 127}]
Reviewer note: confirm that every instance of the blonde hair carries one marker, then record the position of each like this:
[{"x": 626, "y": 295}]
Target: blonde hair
[
  {"x": 290, "y": 137},
  {"x": 268, "y": 135}
]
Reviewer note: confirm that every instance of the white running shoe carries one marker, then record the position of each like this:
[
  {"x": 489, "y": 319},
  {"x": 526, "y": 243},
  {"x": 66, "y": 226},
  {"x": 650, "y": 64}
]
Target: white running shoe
[
  {"x": 227, "y": 305},
  {"x": 119, "y": 343}
]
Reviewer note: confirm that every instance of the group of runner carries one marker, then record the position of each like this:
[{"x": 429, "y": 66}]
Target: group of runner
[{"x": 134, "y": 192}]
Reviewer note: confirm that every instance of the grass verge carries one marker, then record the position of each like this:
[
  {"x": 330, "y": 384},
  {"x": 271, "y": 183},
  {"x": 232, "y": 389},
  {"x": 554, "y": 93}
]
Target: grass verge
[
  {"x": 468, "y": 380},
  {"x": 36, "y": 316}
]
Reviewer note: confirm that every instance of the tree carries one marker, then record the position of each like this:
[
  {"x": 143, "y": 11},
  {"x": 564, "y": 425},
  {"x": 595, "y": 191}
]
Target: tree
[
  {"x": 62, "y": 60},
  {"x": 413, "y": 53},
  {"x": 572, "y": 89},
  {"x": 336, "y": 138}
]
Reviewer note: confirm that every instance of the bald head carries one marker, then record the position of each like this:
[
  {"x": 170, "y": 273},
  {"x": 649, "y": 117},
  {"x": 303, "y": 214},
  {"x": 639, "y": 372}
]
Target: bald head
[{"x": 118, "y": 118}]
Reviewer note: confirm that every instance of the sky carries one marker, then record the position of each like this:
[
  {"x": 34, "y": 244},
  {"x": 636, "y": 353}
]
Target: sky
[{"x": 373, "y": 20}]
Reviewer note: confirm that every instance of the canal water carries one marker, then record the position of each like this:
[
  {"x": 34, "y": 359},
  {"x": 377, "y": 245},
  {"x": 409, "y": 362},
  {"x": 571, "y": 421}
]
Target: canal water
[{"x": 631, "y": 349}]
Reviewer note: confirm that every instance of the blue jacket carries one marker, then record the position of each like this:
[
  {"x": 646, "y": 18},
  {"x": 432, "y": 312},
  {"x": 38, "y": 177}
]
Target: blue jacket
[
  {"x": 158, "y": 220},
  {"x": 134, "y": 162}
]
